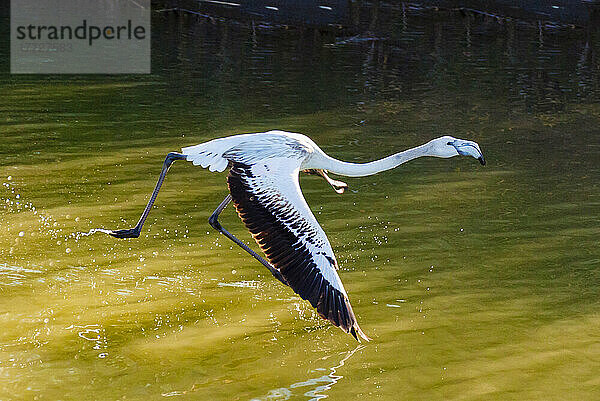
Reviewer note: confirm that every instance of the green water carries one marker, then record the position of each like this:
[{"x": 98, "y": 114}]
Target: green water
[{"x": 474, "y": 282}]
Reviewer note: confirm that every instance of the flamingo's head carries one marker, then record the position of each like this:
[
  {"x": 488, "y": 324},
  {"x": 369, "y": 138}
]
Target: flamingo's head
[{"x": 448, "y": 146}]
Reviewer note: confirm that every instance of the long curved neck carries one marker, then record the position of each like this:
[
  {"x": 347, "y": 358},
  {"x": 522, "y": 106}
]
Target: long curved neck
[{"x": 363, "y": 169}]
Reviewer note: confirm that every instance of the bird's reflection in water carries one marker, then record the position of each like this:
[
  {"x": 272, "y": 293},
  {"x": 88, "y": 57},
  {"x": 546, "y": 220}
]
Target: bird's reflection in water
[{"x": 318, "y": 384}]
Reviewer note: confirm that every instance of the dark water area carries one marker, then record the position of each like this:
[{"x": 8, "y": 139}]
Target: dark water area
[
  {"x": 406, "y": 53},
  {"x": 474, "y": 282}
]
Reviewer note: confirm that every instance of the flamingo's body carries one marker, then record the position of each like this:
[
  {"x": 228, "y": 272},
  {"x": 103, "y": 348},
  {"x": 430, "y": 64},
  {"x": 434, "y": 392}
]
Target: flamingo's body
[{"x": 264, "y": 186}]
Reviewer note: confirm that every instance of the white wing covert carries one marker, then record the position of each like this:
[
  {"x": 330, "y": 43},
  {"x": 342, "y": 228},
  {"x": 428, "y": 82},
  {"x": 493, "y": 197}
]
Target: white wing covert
[{"x": 245, "y": 148}]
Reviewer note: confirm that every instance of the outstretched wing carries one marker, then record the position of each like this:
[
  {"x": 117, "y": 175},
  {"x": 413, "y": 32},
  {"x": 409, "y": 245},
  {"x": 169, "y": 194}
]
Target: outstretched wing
[
  {"x": 268, "y": 199},
  {"x": 247, "y": 149}
]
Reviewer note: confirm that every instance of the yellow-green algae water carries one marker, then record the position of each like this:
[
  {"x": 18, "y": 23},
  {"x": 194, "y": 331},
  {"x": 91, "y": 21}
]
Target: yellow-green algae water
[{"x": 474, "y": 282}]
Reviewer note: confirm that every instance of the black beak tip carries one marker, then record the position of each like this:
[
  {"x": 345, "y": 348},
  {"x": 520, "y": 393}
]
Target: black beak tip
[{"x": 481, "y": 160}]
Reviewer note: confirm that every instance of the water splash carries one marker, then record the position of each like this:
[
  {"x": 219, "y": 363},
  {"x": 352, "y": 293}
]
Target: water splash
[
  {"x": 13, "y": 202},
  {"x": 80, "y": 234},
  {"x": 241, "y": 284}
]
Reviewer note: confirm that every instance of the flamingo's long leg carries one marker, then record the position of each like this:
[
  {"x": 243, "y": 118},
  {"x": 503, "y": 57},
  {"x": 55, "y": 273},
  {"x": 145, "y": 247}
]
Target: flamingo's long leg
[
  {"x": 213, "y": 221},
  {"x": 338, "y": 186},
  {"x": 135, "y": 231}
]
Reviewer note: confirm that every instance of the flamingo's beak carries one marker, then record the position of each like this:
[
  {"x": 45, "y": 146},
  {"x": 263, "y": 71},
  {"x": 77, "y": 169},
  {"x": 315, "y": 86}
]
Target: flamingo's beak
[{"x": 469, "y": 148}]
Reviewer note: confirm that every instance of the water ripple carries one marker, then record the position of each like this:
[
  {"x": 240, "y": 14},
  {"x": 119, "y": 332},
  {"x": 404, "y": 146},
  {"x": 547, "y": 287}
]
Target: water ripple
[{"x": 320, "y": 383}]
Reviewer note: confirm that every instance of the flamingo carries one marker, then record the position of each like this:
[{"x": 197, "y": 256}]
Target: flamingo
[{"x": 265, "y": 190}]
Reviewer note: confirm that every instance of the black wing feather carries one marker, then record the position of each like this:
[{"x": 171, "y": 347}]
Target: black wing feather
[{"x": 285, "y": 252}]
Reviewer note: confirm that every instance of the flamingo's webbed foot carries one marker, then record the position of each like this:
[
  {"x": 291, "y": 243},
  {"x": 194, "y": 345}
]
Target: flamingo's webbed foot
[{"x": 126, "y": 233}]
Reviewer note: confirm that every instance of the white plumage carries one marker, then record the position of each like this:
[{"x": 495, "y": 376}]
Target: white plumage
[{"x": 264, "y": 187}]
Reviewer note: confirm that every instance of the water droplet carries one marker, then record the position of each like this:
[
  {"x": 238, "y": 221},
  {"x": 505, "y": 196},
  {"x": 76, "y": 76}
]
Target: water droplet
[
  {"x": 68, "y": 250},
  {"x": 9, "y": 178},
  {"x": 22, "y": 233}
]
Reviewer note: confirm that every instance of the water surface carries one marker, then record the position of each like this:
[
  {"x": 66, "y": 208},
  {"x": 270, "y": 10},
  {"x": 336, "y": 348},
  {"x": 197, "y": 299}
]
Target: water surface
[{"x": 474, "y": 282}]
